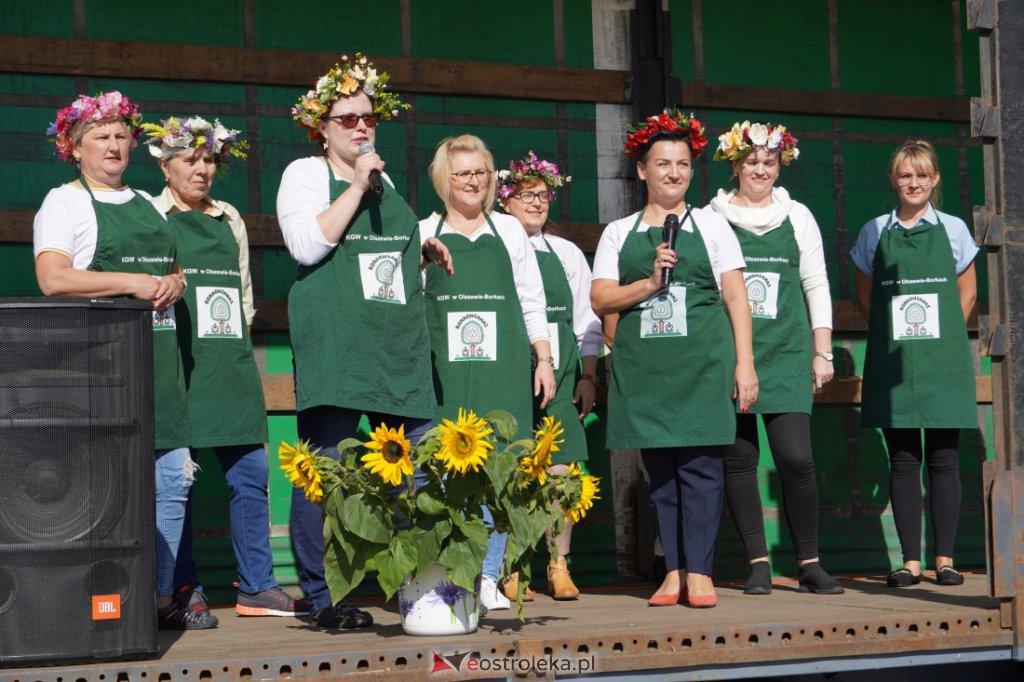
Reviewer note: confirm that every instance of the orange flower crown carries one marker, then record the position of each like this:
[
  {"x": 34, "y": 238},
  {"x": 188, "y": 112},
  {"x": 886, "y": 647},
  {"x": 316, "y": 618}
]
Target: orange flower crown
[{"x": 669, "y": 121}]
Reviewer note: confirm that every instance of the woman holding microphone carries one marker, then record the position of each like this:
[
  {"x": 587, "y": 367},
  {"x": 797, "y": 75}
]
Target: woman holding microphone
[{"x": 682, "y": 351}]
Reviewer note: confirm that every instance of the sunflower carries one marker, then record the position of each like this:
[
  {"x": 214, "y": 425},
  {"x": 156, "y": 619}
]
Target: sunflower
[
  {"x": 463, "y": 444},
  {"x": 300, "y": 468},
  {"x": 389, "y": 456},
  {"x": 588, "y": 493},
  {"x": 537, "y": 463}
]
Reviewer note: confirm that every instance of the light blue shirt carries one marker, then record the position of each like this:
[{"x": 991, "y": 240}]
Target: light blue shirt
[{"x": 960, "y": 238}]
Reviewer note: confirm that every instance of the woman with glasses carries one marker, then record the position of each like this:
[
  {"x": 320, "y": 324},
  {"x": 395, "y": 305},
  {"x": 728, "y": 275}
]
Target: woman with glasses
[
  {"x": 355, "y": 314},
  {"x": 484, "y": 319},
  {"x": 525, "y": 190},
  {"x": 916, "y": 286},
  {"x": 787, "y": 288},
  {"x": 682, "y": 352}
]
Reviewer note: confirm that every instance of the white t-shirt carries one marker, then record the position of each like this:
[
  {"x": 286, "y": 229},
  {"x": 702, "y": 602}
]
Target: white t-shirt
[
  {"x": 525, "y": 272},
  {"x": 585, "y": 324},
  {"x": 722, "y": 246},
  {"x": 304, "y": 194},
  {"x": 66, "y": 222},
  {"x": 762, "y": 220}
]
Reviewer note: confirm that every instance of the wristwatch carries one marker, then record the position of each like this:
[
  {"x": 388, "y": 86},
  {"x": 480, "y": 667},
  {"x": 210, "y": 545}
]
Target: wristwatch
[
  {"x": 824, "y": 354},
  {"x": 547, "y": 358}
]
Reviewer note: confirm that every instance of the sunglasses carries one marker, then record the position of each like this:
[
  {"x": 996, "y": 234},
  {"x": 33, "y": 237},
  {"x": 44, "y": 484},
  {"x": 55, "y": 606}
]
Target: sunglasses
[{"x": 349, "y": 121}]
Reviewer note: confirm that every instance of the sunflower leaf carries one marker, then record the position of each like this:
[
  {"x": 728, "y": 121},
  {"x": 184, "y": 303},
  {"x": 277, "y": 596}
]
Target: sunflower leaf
[
  {"x": 395, "y": 562},
  {"x": 428, "y": 536},
  {"x": 349, "y": 444},
  {"x": 341, "y": 575},
  {"x": 499, "y": 469},
  {"x": 504, "y": 424},
  {"x": 464, "y": 553},
  {"x": 429, "y": 504},
  {"x": 363, "y": 516}
]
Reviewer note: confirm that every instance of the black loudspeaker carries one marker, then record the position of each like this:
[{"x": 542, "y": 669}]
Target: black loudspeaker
[{"x": 77, "y": 511}]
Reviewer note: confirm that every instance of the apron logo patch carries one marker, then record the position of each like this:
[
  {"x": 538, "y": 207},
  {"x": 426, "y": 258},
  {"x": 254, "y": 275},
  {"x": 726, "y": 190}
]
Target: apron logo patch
[
  {"x": 220, "y": 313},
  {"x": 164, "y": 320},
  {"x": 381, "y": 276},
  {"x": 472, "y": 337},
  {"x": 664, "y": 314},
  {"x": 915, "y": 317},
  {"x": 763, "y": 294}
]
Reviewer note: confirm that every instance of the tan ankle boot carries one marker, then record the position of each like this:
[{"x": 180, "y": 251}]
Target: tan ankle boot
[
  {"x": 511, "y": 589},
  {"x": 560, "y": 584}
]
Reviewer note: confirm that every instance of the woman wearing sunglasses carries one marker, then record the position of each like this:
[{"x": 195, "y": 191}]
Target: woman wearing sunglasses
[
  {"x": 356, "y": 314},
  {"x": 484, "y": 319},
  {"x": 525, "y": 190},
  {"x": 916, "y": 286}
]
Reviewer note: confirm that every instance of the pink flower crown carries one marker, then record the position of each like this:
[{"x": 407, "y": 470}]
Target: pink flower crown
[
  {"x": 669, "y": 121},
  {"x": 519, "y": 172},
  {"x": 743, "y": 138},
  {"x": 106, "y": 106}
]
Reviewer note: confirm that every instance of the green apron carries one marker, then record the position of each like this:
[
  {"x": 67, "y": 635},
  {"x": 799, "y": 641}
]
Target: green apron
[
  {"x": 782, "y": 334},
  {"x": 225, "y": 394},
  {"x": 478, "y": 341},
  {"x": 358, "y": 332},
  {"x": 134, "y": 237},
  {"x": 567, "y": 359},
  {"x": 674, "y": 361},
  {"x": 918, "y": 372}
]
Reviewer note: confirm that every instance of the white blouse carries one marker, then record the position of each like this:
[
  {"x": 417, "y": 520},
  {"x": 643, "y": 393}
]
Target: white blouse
[{"x": 585, "y": 324}]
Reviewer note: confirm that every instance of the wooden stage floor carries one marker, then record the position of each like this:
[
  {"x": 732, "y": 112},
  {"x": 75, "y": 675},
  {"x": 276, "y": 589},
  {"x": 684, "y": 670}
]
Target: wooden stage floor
[{"x": 610, "y": 631}]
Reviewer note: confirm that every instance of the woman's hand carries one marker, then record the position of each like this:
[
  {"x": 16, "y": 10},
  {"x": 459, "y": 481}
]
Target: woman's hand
[
  {"x": 145, "y": 287},
  {"x": 663, "y": 258},
  {"x": 745, "y": 385},
  {"x": 822, "y": 371},
  {"x": 434, "y": 251},
  {"x": 169, "y": 290},
  {"x": 361, "y": 170},
  {"x": 584, "y": 396},
  {"x": 544, "y": 383}
]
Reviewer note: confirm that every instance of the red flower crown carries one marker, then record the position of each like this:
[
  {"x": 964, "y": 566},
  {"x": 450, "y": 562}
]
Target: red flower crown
[{"x": 669, "y": 121}]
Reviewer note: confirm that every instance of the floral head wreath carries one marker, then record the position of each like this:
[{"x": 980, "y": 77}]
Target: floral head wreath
[
  {"x": 195, "y": 133},
  {"x": 346, "y": 78},
  {"x": 669, "y": 121},
  {"x": 519, "y": 172},
  {"x": 106, "y": 106},
  {"x": 744, "y": 137}
]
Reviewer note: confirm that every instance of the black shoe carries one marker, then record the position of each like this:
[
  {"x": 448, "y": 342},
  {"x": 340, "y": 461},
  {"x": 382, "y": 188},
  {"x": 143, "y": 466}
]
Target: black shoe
[
  {"x": 813, "y": 578},
  {"x": 176, "y": 616},
  {"x": 902, "y": 578},
  {"x": 947, "y": 575},
  {"x": 343, "y": 615},
  {"x": 760, "y": 580}
]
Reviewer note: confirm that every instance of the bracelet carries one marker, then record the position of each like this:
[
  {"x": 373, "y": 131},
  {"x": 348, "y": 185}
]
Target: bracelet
[
  {"x": 181, "y": 278},
  {"x": 592, "y": 378}
]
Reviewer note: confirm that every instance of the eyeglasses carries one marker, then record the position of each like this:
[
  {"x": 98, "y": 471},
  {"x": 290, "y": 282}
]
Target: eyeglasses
[
  {"x": 528, "y": 197},
  {"x": 904, "y": 179},
  {"x": 466, "y": 176},
  {"x": 349, "y": 121}
]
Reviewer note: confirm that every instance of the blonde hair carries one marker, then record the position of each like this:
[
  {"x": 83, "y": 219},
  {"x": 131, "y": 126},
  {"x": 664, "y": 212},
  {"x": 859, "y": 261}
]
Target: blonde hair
[
  {"x": 921, "y": 155},
  {"x": 441, "y": 167}
]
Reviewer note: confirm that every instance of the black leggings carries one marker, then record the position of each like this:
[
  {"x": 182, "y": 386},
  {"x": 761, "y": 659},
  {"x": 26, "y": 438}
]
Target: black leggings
[
  {"x": 941, "y": 458},
  {"x": 789, "y": 436}
]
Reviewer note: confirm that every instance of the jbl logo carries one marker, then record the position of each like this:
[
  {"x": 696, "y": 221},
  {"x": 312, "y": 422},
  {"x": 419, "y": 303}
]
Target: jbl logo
[{"x": 106, "y": 607}]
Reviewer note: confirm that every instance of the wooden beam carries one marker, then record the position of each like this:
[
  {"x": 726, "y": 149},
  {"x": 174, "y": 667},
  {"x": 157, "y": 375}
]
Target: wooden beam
[
  {"x": 263, "y": 66},
  {"x": 825, "y": 103},
  {"x": 279, "y": 392}
]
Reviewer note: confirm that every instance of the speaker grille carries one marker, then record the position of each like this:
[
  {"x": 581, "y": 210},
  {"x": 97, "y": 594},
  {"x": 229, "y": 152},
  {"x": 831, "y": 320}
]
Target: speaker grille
[{"x": 76, "y": 479}]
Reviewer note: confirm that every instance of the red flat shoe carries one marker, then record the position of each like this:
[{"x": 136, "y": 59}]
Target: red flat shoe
[
  {"x": 664, "y": 599},
  {"x": 702, "y": 601}
]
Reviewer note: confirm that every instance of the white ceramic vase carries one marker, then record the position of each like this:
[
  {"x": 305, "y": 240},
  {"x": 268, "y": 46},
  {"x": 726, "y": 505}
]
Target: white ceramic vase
[{"x": 432, "y": 605}]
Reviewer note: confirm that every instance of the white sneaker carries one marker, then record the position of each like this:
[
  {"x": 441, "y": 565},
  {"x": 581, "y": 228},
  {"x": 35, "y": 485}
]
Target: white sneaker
[{"x": 490, "y": 597}]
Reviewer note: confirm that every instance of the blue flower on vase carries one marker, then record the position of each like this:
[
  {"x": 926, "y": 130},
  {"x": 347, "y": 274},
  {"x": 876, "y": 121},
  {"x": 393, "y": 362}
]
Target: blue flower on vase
[
  {"x": 450, "y": 593},
  {"x": 405, "y": 607}
]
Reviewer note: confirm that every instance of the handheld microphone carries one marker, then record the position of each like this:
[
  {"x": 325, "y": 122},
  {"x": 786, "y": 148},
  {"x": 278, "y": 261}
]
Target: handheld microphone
[
  {"x": 376, "y": 186},
  {"x": 671, "y": 232}
]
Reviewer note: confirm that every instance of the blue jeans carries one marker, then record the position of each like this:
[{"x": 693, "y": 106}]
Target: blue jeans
[
  {"x": 495, "y": 548},
  {"x": 174, "y": 477},
  {"x": 325, "y": 426},
  {"x": 245, "y": 472}
]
